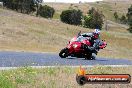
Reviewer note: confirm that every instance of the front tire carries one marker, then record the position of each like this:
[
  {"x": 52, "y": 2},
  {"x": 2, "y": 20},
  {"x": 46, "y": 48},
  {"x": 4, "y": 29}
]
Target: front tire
[
  {"x": 63, "y": 53},
  {"x": 90, "y": 57},
  {"x": 93, "y": 56}
]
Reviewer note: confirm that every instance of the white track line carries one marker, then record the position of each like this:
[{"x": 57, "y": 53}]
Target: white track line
[
  {"x": 22, "y": 51},
  {"x": 87, "y": 66}
]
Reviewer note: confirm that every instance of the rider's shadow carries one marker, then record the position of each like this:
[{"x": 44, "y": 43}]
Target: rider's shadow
[
  {"x": 73, "y": 58},
  {"x": 85, "y": 59},
  {"x": 101, "y": 59}
]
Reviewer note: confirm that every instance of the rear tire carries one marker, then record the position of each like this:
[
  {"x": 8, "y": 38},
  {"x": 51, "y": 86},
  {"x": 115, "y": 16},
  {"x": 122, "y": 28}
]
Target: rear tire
[{"x": 63, "y": 53}]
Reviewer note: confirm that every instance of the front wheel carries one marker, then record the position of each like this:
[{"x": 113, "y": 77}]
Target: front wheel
[
  {"x": 93, "y": 56},
  {"x": 63, "y": 53},
  {"x": 90, "y": 57}
]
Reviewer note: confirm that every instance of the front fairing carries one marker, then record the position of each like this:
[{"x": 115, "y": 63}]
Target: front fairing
[{"x": 75, "y": 47}]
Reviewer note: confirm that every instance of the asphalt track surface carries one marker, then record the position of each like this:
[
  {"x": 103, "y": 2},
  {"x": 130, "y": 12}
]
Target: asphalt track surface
[{"x": 20, "y": 59}]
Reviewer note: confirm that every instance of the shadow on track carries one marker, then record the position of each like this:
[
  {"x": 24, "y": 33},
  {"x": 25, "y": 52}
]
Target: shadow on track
[
  {"x": 101, "y": 60},
  {"x": 86, "y": 59}
]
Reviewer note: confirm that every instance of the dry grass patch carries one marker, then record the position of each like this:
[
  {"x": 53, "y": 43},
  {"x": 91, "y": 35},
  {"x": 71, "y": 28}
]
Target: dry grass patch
[
  {"x": 119, "y": 45},
  {"x": 109, "y": 7},
  {"x": 28, "y": 33},
  {"x": 59, "y": 7}
]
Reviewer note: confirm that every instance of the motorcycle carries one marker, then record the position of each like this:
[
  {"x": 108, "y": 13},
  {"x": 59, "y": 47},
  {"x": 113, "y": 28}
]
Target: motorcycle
[{"x": 76, "y": 48}]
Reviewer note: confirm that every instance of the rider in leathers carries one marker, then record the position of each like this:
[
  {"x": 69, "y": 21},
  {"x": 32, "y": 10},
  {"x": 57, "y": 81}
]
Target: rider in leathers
[{"x": 94, "y": 39}]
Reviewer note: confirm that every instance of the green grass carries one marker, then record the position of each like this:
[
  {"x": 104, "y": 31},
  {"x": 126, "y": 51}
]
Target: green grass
[
  {"x": 5, "y": 82},
  {"x": 28, "y": 77},
  {"x": 56, "y": 16}
]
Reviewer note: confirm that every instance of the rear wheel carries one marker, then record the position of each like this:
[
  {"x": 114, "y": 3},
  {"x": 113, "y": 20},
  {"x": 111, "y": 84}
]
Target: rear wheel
[{"x": 63, "y": 53}]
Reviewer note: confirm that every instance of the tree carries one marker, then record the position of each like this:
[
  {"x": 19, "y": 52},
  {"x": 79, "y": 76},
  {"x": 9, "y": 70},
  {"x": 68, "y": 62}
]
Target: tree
[
  {"x": 23, "y": 6},
  {"x": 116, "y": 16},
  {"x": 91, "y": 11},
  {"x": 46, "y": 11},
  {"x": 129, "y": 16},
  {"x": 71, "y": 16},
  {"x": 38, "y": 1},
  {"x": 123, "y": 19},
  {"x": 38, "y": 5},
  {"x": 94, "y": 19},
  {"x": 130, "y": 29}
]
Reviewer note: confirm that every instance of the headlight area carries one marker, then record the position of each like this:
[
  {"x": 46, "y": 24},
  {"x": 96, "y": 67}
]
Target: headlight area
[{"x": 75, "y": 45}]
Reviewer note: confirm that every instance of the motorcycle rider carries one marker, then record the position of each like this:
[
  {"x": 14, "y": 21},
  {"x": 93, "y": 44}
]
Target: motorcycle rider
[{"x": 94, "y": 39}]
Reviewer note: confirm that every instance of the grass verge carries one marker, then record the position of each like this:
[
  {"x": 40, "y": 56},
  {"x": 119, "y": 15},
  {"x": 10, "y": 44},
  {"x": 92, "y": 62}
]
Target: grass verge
[{"x": 58, "y": 77}]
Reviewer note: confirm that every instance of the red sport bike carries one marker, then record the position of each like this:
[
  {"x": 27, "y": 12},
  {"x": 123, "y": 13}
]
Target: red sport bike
[{"x": 75, "y": 48}]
